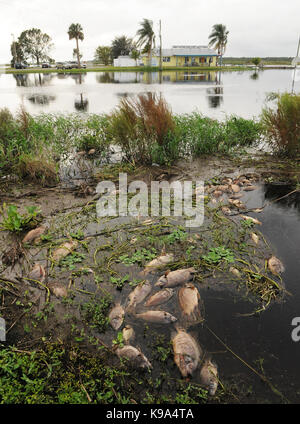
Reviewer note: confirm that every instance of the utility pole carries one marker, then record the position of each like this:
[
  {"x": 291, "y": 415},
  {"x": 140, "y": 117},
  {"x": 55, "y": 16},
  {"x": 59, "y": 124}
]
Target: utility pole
[
  {"x": 14, "y": 49},
  {"x": 160, "y": 47},
  {"x": 296, "y": 61}
]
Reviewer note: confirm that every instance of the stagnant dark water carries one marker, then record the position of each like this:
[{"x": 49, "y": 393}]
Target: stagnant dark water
[{"x": 265, "y": 338}]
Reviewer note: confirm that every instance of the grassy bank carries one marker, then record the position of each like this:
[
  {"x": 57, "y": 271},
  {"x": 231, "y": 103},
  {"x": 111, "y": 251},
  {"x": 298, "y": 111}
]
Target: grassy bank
[
  {"x": 145, "y": 130},
  {"x": 127, "y": 69}
]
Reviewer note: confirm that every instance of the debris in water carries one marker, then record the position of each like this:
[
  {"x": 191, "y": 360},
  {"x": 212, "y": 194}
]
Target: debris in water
[
  {"x": 209, "y": 376},
  {"x": 175, "y": 278},
  {"x": 235, "y": 272},
  {"x": 33, "y": 234},
  {"x": 38, "y": 273},
  {"x": 235, "y": 188},
  {"x": 254, "y": 220},
  {"x": 187, "y": 352},
  {"x": 158, "y": 262},
  {"x": 189, "y": 298},
  {"x": 128, "y": 334},
  {"x": 275, "y": 265},
  {"x": 116, "y": 316},
  {"x": 58, "y": 289},
  {"x": 255, "y": 238},
  {"x": 139, "y": 294},
  {"x": 160, "y": 297},
  {"x": 158, "y": 317},
  {"x": 64, "y": 250},
  {"x": 134, "y": 356}
]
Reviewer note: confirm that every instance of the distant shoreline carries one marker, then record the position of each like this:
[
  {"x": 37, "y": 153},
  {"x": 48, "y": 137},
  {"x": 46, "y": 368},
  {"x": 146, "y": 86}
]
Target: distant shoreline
[{"x": 141, "y": 69}]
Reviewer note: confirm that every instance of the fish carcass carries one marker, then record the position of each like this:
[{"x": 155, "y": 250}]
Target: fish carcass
[
  {"x": 157, "y": 317},
  {"x": 160, "y": 297},
  {"x": 175, "y": 278},
  {"x": 187, "y": 352},
  {"x": 116, "y": 316},
  {"x": 135, "y": 357},
  {"x": 189, "y": 299},
  {"x": 209, "y": 376}
]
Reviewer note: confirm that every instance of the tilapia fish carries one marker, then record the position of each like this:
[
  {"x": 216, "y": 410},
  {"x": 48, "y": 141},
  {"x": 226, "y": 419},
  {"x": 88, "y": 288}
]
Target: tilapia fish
[
  {"x": 160, "y": 297},
  {"x": 64, "y": 250},
  {"x": 116, "y": 316},
  {"x": 128, "y": 334},
  {"x": 158, "y": 317},
  {"x": 209, "y": 376},
  {"x": 134, "y": 356},
  {"x": 175, "y": 278},
  {"x": 158, "y": 262},
  {"x": 275, "y": 265},
  {"x": 139, "y": 294},
  {"x": 189, "y": 299},
  {"x": 187, "y": 352}
]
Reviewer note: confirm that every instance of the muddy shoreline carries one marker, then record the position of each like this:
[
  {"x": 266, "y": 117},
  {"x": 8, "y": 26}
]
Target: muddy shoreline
[{"x": 105, "y": 267}]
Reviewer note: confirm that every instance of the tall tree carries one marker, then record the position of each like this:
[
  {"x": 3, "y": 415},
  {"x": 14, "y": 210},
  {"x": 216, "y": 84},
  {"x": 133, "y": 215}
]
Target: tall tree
[
  {"x": 135, "y": 54},
  {"x": 35, "y": 44},
  {"x": 121, "y": 46},
  {"x": 17, "y": 52},
  {"x": 103, "y": 55},
  {"x": 218, "y": 39},
  {"x": 146, "y": 38},
  {"x": 76, "y": 31}
]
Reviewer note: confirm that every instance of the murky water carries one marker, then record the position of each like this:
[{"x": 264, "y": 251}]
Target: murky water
[{"x": 214, "y": 94}]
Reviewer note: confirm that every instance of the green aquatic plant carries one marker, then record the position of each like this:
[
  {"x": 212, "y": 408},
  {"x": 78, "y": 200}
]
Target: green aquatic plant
[
  {"x": 139, "y": 257},
  {"x": 16, "y": 222},
  {"x": 218, "y": 254}
]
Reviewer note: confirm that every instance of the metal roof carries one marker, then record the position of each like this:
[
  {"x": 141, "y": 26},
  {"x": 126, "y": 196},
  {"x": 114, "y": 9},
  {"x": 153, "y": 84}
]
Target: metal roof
[{"x": 187, "y": 51}]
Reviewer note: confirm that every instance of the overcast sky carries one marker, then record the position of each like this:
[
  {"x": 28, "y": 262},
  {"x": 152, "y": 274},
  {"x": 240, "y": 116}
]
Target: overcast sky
[{"x": 256, "y": 27}]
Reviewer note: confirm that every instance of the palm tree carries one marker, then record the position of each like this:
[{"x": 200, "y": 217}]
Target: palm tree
[
  {"x": 76, "y": 31},
  {"x": 146, "y": 38},
  {"x": 218, "y": 39},
  {"x": 135, "y": 54}
]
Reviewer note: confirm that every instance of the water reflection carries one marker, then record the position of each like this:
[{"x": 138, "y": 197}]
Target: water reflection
[
  {"x": 215, "y": 94},
  {"x": 81, "y": 104},
  {"x": 33, "y": 80},
  {"x": 254, "y": 76},
  {"x": 41, "y": 99},
  {"x": 284, "y": 193}
]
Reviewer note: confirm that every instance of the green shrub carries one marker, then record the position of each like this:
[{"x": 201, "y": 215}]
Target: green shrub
[
  {"x": 144, "y": 128},
  {"x": 282, "y": 124}
]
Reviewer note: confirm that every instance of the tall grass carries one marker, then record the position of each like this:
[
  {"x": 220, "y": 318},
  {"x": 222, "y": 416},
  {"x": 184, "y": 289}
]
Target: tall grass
[
  {"x": 143, "y": 127},
  {"x": 201, "y": 135},
  {"x": 30, "y": 146},
  {"x": 282, "y": 124}
]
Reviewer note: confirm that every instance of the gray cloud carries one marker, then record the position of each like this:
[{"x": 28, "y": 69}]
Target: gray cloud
[{"x": 257, "y": 27}]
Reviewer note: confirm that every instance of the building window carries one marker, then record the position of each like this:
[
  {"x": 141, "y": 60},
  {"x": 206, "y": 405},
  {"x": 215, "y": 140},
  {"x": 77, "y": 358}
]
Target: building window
[{"x": 166, "y": 59}]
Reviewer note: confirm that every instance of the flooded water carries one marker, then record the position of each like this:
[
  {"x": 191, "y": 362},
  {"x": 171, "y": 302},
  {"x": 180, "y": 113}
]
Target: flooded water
[{"x": 215, "y": 94}]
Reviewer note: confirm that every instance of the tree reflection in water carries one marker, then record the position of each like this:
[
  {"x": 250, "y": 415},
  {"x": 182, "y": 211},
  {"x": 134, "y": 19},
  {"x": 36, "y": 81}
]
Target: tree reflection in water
[{"x": 215, "y": 94}]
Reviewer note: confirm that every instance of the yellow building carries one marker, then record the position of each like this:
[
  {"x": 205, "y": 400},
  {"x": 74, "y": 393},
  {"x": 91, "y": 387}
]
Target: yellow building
[{"x": 179, "y": 56}]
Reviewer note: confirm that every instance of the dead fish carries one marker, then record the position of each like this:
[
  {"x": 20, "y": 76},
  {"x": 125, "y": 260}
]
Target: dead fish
[
  {"x": 226, "y": 211},
  {"x": 58, "y": 290},
  {"x": 38, "y": 273},
  {"x": 187, "y": 352},
  {"x": 237, "y": 203},
  {"x": 134, "y": 356},
  {"x": 158, "y": 262},
  {"x": 254, "y": 220},
  {"x": 188, "y": 298},
  {"x": 249, "y": 188},
  {"x": 116, "y": 316},
  {"x": 275, "y": 265},
  {"x": 237, "y": 196},
  {"x": 91, "y": 152},
  {"x": 160, "y": 297},
  {"x": 158, "y": 317},
  {"x": 128, "y": 334},
  {"x": 139, "y": 294},
  {"x": 258, "y": 210},
  {"x": 64, "y": 250},
  {"x": 254, "y": 237},
  {"x": 174, "y": 278},
  {"x": 33, "y": 234},
  {"x": 235, "y": 272},
  {"x": 223, "y": 187},
  {"x": 209, "y": 376},
  {"x": 235, "y": 188},
  {"x": 218, "y": 193}
]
